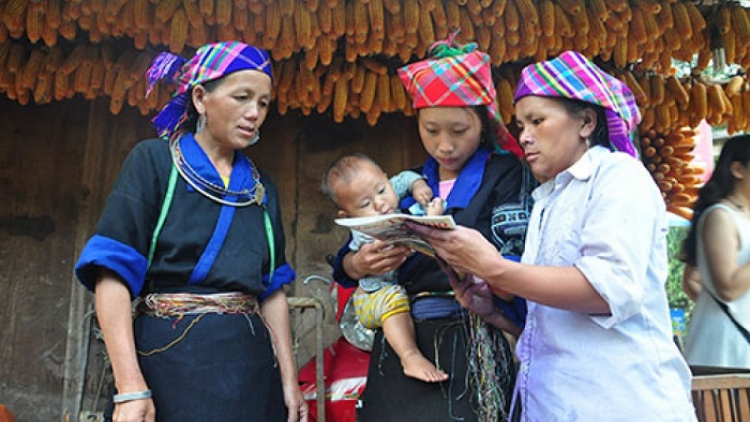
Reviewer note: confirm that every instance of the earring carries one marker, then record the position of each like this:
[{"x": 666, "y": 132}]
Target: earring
[
  {"x": 201, "y": 124},
  {"x": 588, "y": 142},
  {"x": 256, "y": 138}
]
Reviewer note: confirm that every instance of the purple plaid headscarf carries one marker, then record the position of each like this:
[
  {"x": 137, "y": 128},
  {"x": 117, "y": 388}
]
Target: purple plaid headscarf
[
  {"x": 212, "y": 61},
  {"x": 573, "y": 76}
]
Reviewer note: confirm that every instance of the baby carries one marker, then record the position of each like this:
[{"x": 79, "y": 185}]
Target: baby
[{"x": 359, "y": 188}]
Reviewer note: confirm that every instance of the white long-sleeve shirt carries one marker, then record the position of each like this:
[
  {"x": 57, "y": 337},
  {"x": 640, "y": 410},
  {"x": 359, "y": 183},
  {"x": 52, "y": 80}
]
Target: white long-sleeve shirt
[{"x": 605, "y": 216}]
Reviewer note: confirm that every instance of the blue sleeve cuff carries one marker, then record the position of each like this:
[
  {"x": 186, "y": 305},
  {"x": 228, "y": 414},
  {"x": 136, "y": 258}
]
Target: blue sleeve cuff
[
  {"x": 514, "y": 309},
  {"x": 126, "y": 261},
  {"x": 282, "y": 276}
]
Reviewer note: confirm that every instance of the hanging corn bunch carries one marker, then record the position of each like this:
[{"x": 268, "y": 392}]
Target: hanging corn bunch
[
  {"x": 669, "y": 159},
  {"x": 371, "y": 38}
]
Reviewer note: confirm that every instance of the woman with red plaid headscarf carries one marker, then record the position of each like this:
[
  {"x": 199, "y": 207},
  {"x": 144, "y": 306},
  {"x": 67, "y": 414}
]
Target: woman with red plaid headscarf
[{"x": 473, "y": 167}]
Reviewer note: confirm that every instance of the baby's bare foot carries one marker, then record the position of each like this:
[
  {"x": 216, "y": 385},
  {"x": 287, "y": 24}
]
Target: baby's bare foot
[{"x": 417, "y": 366}]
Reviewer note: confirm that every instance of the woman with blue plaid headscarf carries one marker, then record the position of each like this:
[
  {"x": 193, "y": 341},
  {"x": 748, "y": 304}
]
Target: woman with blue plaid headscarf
[{"x": 192, "y": 234}]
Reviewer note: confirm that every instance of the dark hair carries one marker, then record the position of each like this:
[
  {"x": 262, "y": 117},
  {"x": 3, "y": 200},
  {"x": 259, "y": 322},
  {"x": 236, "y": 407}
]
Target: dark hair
[
  {"x": 341, "y": 170},
  {"x": 718, "y": 187},
  {"x": 489, "y": 127},
  {"x": 600, "y": 135}
]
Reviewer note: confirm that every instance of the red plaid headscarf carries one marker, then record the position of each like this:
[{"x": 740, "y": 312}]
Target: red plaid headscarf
[{"x": 462, "y": 80}]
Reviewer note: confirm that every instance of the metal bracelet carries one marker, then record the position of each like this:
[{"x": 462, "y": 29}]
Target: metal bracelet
[{"x": 136, "y": 395}]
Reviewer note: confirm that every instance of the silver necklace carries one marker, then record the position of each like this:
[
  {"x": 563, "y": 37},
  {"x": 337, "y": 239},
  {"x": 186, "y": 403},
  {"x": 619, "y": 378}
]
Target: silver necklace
[{"x": 212, "y": 191}]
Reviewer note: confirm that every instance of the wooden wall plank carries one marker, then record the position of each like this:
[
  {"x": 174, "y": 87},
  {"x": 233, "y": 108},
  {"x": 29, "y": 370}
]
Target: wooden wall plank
[
  {"x": 107, "y": 142},
  {"x": 39, "y": 167}
]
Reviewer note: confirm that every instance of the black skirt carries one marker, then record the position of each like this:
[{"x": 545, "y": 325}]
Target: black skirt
[
  {"x": 392, "y": 396},
  {"x": 210, "y": 367}
]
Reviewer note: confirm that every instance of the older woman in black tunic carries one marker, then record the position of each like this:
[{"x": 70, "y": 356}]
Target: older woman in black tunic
[{"x": 192, "y": 231}]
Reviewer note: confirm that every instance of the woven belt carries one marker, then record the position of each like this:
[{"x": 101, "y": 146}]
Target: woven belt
[{"x": 178, "y": 304}]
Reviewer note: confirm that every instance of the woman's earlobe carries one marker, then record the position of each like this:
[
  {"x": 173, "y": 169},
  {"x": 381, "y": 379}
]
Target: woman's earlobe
[{"x": 198, "y": 95}]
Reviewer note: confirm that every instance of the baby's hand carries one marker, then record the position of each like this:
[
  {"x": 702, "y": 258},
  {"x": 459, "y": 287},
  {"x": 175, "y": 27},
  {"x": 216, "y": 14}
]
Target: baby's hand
[
  {"x": 421, "y": 192},
  {"x": 436, "y": 206}
]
